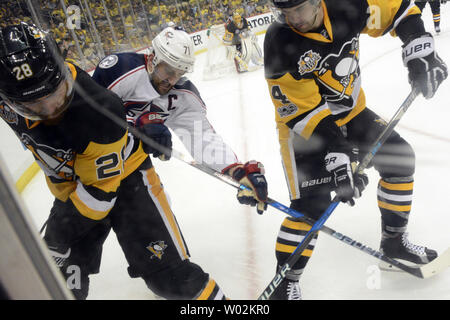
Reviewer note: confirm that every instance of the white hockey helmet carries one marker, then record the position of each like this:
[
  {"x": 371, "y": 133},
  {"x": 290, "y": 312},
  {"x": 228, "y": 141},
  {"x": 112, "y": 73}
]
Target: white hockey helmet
[{"x": 174, "y": 47}]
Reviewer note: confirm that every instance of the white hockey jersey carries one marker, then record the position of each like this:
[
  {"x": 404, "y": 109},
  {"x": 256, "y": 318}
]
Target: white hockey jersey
[{"x": 182, "y": 108}]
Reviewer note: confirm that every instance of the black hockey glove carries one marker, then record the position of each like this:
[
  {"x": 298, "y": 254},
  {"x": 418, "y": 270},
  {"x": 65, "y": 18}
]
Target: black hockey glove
[
  {"x": 426, "y": 68},
  {"x": 347, "y": 185},
  {"x": 250, "y": 174},
  {"x": 152, "y": 125}
]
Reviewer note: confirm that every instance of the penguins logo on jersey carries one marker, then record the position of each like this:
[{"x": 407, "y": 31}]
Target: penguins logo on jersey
[
  {"x": 108, "y": 61},
  {"x": 55, "y": 163},
  {"x": 308, "y": 62},
  {"x": 157, "y": 248},
  {"x": 8, "y": 115},
  {"x": 337, "y": 72}
]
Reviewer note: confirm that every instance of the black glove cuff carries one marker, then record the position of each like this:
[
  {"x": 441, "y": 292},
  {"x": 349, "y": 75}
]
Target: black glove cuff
[{"x": 410, "y": 26}]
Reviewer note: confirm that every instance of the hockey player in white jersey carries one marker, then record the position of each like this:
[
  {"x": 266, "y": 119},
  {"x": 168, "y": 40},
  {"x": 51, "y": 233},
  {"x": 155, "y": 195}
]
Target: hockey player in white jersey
[{"x": 157, "y": 97}]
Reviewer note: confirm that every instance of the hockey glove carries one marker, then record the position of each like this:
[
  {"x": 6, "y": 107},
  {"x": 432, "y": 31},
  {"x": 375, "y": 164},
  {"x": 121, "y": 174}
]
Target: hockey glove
[
  {"x": 250, "y": 174},
  {"x": 347, "y": 185},
  {"x": 425, "y": 67},
  {"x": 152, "y": 125}
]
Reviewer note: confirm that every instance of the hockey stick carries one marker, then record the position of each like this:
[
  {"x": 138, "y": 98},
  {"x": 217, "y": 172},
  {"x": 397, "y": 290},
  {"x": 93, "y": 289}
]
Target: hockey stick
[
  {"x": 318, "y": 224},
  {"x": 421, "y": 271},
  {"x": 424, "y": 271}
]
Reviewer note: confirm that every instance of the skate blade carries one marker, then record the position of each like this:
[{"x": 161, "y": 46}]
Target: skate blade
[{"x": 389, "y": 267}]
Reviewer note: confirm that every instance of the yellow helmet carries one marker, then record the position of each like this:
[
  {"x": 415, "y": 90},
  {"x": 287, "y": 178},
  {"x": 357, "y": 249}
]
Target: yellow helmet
[{"x": 237, "y": 19}]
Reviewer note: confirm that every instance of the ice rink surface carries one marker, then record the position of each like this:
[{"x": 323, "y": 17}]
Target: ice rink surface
[{"x": 235, "y": 245}]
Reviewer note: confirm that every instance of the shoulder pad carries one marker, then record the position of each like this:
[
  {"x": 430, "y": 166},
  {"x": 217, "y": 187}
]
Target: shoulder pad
[
  {"x": 114, "y": 66},
  {"x": 186, "y": 84}
]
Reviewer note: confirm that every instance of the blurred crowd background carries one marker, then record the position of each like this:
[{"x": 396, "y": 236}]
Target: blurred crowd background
[{"x": 87, "y": 30}]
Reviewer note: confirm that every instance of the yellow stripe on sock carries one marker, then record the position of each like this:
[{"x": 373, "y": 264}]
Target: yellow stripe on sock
[
  {"x": 392, "y": 207},
  {"x": 296, "y": 225},
  {"x": 397, "y": 186},
  {"x": 289, "y": 249}
]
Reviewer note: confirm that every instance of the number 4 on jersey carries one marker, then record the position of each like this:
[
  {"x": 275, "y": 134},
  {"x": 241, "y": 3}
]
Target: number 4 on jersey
[{"x": 278, "y": 95}]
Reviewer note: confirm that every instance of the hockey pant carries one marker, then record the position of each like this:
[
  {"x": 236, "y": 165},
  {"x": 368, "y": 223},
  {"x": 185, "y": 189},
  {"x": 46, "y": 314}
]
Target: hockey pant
[
  {"x": 148, "y": 234},
  {"x": 395, "y": 162}
]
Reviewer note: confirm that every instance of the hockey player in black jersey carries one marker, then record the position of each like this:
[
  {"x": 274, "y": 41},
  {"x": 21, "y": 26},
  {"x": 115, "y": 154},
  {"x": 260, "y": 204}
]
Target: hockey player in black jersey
[
  {"x": 313, "y": 75},
  {"x": 157, "y": 96},
  {"x": 100, "y": 176},
  {"x": 235, "y": 26},
  {"x": 435, "y": 6},
  {"x": 242, "y": 45}
]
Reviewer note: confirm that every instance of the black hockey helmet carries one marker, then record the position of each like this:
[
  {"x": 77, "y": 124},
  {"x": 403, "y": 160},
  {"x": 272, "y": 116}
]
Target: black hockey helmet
[
  {"x": 277, "y": 7},
  {"x": 281, "y": 4},
  {"x": 30, "y": 67}
]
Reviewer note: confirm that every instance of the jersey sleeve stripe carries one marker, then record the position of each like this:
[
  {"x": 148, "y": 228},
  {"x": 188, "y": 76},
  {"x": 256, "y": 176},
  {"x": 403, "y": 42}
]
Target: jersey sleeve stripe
[
  {"x": 401, "y": 14},
  {"x": 88, "y": 205},
  {"x": 385, "y": 15}
]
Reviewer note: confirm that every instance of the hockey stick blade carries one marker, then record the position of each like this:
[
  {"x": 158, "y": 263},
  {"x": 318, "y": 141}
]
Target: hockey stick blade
[
  {"x": 420, "y": 271},
  {"x": 436, "y": 266}
]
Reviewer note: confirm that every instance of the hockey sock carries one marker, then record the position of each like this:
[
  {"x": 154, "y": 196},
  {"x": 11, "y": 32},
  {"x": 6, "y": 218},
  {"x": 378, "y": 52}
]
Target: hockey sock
[
  {"x": 291, "y": 233},
  {"x": 436, "y": 19},
  {"x": 394, "y": 200},
  {"x": 211, "y": 291}
]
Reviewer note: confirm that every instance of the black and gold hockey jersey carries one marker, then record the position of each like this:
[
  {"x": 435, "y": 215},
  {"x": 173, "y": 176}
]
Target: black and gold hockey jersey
[
  {"x": 232, "y": 31},
  {"x": 84, "y": 155},
  {"x": 316, "y": 75}
]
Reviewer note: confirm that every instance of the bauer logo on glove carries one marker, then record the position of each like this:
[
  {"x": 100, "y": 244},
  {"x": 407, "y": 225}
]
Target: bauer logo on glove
[{"x": 426, "y": 70}]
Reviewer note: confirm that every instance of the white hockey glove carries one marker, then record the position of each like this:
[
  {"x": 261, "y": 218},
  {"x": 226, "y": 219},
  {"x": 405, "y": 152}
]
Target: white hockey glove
[
  {"x": 347, "y": 185},
  {"x": 426, "y": 68},
  {"x": 250, "y": 174}
]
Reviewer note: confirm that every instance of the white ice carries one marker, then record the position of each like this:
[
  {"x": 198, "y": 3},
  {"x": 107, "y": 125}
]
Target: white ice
[{"x": 235, "y": 245}]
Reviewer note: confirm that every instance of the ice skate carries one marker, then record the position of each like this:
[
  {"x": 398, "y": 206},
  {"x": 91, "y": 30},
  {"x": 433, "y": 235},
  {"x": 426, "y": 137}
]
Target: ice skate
[
  {"x": 398, "y": 247},
  {"x": 287, "y": 290}
]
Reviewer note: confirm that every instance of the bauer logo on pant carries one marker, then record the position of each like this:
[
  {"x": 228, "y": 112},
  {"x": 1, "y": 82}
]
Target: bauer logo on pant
[{"x": 157, "y": 248}]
